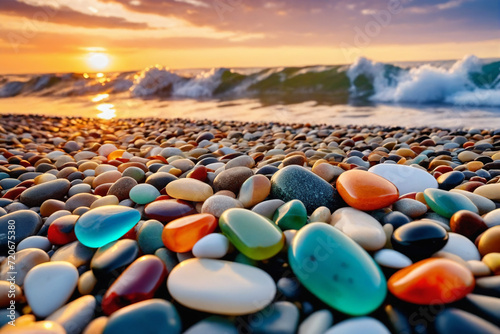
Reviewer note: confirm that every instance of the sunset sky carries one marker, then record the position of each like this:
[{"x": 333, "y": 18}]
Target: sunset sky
[{"x": 115, "y": 35}]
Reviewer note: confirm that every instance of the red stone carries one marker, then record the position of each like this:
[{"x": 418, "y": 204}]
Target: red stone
[
  {"x": 467, "y": 223},
  {"x": 137, "y": 283},
  {"x": 443, "y": 169},
  {"x": 102, "y": 189},
  {"x": 62, "y": 230},
  {"x": 409, "y": 195},
  {"x": 432, "y": 281},
  {"x": 366, "y": 191},
  {"x": 14, "y": 193},
  {"x": 199, "y": 173},
  {"x": 181, "y": 234}
]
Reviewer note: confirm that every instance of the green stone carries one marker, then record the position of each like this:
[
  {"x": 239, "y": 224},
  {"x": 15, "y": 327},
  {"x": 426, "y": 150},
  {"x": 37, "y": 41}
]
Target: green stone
[
  {"x": 143, "y": 193},
  {"x": 291, "y": 215},
  {"x": 296, "y": 182},
  {"x": 252, "y": 234},
  {"x": 446, "y": 203},
  {"x": 337, "y": 270},
  {"x": 149, "y": 236}
]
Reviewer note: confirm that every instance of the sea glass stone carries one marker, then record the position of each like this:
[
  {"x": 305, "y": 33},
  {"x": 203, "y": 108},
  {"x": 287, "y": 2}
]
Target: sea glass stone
[
  {"x": 252, "y": 234},
  {"x": 181, "y": 235},
  {"x": 366, "y": 191},
  {"x": 143, "y": 193},
  {"x": 337, "y": 270},
  {"x": 431, "y": 281},
  {"x": 105, "y": 224},
  {"x": 291, "y": 216},
  {"x": 446, "y": 203},
  {"x": 137, "y": 283}
]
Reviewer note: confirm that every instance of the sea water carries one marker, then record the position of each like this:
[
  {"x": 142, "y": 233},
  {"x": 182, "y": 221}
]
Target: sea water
[{"x": 463, "y": 93}]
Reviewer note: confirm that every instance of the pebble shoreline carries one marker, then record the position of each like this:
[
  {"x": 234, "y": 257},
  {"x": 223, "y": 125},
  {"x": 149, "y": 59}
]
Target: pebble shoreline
[{"x": 197, "y": 226}]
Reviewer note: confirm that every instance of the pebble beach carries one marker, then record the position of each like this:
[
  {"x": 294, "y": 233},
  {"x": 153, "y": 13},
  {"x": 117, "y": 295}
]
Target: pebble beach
[{"x": 149, "y": 225}]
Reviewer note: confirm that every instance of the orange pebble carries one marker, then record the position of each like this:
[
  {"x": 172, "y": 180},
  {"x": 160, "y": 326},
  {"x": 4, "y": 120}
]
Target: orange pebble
[{"x": 181, "y": 234}]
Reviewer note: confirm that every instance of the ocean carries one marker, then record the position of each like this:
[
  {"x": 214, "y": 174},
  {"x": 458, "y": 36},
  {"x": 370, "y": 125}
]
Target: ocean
[{"x": 452, "y": 94}]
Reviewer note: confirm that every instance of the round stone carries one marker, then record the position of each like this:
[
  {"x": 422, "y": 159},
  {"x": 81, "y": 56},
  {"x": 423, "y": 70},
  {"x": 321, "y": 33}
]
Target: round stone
[
  {"x": 113, "y": 256},
  {"x": 254, "y": 190},
  {"x": 419, "y": 239},
  {"x": 467, "y": 223},
  {"x": 316, "y": 323},
  {"x": 26, "y": 259},
  {"x": 155, "y": 316},
  {"x": 121, "y": 188},
  {"x": 450, "y": 180},
  {"x": 489, "y": 241},
  {"x": 75, "y": 316},
  {"x": 336, "y": 269},
  {"x": 143, "y": 193},
  {"x": 492, "y": 218},
  {"x": 279, "y": 317},
  {"x": 105, "y": 224},
  {"x": 35, "y": 241},
  {"x": 189, "y": 189},
  {"x": 490, "y": 191},
  {"x": 360, "y": 227},
  {"x": 366, "y": 191},
  {"x": 410, "y": 207},
  {"x": 390, "y": 258},
  {"x": 217, "y": 204},
  {"x": 214, "y": 246},
  {"x": 268, "y": 208},
  {"x": 447, "y": 203},
  {"x": 407, "y": 179},
  {"x": 137, "y": 283},
  {"x": 49, "y": 285},
  {"x": 232, "y": 179},
  {"x": 296, "y": 182},
  {"x": 181, "y": 235},
  {"x": 227, "y": 288},
  {"x": 252, "y": 234},
  {"x": 24, "y": 223},
  {"x": 168, "y": 210},
  {"x": 483, "y": 204},
  {"x": 321, "y": 214},
  {"x": 291, "y": 215},
  {"x": 359, "y": 325},
  {"x": 432, "y": 281},
  {"x": 461, "y": 246},
  {"x": 149, "y": 236},
  {"x": 452, "y": 321},
  {"x": 36, "y": 195}
]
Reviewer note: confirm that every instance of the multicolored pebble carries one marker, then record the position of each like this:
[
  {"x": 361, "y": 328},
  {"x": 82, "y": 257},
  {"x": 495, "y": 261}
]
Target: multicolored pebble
[
  {"x": 336, "y": 269},
  {"x": 105, "y": 224},
  {"x": 448, "y": 203},
  {"x": 254, "y": 190},
  {"x": 252, "y": 234}
]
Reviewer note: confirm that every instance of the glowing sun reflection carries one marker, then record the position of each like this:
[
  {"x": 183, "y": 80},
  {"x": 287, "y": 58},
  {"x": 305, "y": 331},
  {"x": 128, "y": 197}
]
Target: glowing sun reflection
[
  {"x": 100, "y": 97},
  {"x": 107, "y": 110}
]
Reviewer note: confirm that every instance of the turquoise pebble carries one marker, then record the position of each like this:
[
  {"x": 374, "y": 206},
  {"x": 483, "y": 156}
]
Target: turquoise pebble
[
  {"x": 99, "y": 226},
  {"x": 336, "y": 269},
  {"x": 446, "y": 203},
  {"x": 149, "y": 236},
  {"x": 143, "y": 193},
  {"x": 291, "y": 215}
]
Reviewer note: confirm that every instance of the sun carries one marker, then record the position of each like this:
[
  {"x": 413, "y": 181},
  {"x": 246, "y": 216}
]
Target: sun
[{"x": 98, "y": 61}]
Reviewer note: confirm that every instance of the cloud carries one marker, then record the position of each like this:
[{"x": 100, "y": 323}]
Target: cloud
[{"x": 65, "y": 15}]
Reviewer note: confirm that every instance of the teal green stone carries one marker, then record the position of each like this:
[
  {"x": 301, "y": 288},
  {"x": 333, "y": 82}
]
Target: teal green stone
[
  {"x": 212, "y": 325},
  {"x": 446, "y": 203},
  {"x": 336, "y": 269},
  {"x": 102, "y": 225},
  {"x": 149, "y": 236},
  {"x": 419, "y": 158},
  {"x": 113, "y": 256},
  {"x": 143, "y": 193},
  {"x": 252, "y": 234},
  {"x": 291, "y": 215}
]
